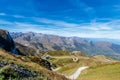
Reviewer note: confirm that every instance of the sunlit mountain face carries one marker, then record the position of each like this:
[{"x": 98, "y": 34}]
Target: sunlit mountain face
[{"x": 81, "y": 18}]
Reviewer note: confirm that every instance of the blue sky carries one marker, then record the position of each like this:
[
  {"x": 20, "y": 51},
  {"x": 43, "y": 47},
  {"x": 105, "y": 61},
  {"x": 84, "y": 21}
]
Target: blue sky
[{"x": 82, "y": 18}]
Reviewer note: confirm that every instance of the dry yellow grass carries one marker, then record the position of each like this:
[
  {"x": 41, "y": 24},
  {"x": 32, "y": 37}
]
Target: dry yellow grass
[
  {"x": 104, "y": 72},
  {"x": 31, "y": 65},
  {"x": 68, "y": 67}
]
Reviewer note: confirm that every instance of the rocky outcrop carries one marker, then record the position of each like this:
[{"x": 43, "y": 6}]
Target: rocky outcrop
[
  {"x": 42, "y": 62},
  {"x": 6, "y": 42},
  {"x": 23, "y": 72}
]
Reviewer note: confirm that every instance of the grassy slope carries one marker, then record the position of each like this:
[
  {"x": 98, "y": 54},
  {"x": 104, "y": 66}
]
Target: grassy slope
[
  {"x": 68, "y": 66},
  {"x": 31, "y": 65},
  {"x": 105, "y": 72},
  {"x": 58, "y": 53}
]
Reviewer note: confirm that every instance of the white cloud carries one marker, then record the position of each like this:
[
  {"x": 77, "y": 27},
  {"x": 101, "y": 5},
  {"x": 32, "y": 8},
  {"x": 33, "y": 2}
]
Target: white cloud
[
  {"x": 93, "y": 26},
  {"x": 2, "y": 14},
  {"x": 5, "y": 22},
  {"x": 18, "y": 16},
  {"x": 15, "y": 16},
  {"x": 94, "y": 29},
  {"x": 56, "y": 22}
]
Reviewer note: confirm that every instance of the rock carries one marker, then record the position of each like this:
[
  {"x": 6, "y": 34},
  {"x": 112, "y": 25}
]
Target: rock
[{"x": 6, "y": 42}]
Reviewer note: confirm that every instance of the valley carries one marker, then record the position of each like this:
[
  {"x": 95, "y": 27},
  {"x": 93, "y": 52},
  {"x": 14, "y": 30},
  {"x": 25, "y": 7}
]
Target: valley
[
  {"x": 65, "y": 64},
  {"x": 59, "y": 39},
  {"x": 23, "y": 62}
]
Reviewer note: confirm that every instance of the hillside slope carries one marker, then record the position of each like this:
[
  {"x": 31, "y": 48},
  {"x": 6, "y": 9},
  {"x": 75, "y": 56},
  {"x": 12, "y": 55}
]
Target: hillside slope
[
  {"x": 17, "y": 67},
  {"x": 69, "y": 64},
  {"x": 104, "y": 72}
]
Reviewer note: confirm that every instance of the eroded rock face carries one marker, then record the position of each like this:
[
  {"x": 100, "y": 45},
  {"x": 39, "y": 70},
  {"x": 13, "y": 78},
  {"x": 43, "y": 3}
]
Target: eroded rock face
[{"x": 6, "y": 42}]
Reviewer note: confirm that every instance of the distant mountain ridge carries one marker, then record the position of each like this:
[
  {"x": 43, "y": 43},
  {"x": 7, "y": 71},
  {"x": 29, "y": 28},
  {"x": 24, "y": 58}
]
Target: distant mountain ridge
[
  {"x": 52, "y": 42},
  {"x": 115, "y": 41}
]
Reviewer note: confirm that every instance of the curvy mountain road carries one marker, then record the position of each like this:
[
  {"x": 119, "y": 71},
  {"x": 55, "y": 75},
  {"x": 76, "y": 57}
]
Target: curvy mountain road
[{"x": 77, "y": 73}]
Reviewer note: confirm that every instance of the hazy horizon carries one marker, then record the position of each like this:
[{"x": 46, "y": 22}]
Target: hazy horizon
[{"x": 80, "y": 18}]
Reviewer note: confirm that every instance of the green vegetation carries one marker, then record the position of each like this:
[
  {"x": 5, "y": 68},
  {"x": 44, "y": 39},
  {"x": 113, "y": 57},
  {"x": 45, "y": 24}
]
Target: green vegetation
[
  {"x": 61, "y": 61},
  {"x": 67, "y": 66},
  {"x": 8, "y": 73},
  {"x": 36, "y": 70},
  {"x": 58, "y": 53},
  {"x": 64, "y": 61},
  {"x": 103, "y": 72},
  {"x": 40, "y": 61},
  {"x": 69, "y": 69}
]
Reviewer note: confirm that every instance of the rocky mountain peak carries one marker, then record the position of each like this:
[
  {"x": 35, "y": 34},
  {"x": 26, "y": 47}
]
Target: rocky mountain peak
[{"x": 6, "y": 42}]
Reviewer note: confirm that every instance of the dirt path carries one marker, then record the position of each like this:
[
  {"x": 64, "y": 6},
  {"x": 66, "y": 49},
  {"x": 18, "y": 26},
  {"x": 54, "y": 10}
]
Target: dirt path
[
  {"x": 77, "y": 73},
  {"x": 75, "y": 59},
  {"x": 56, "y": 69}
]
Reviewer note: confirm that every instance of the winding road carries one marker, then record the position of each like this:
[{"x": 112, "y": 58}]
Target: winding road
[{"x": 77, "y": 73}]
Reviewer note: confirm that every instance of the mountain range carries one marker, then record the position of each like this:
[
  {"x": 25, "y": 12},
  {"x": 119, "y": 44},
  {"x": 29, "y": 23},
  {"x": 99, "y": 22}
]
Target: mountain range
[
  {"x": 46, "y": 42},
  {"x": 115, "y": 41},
  {"x": 49, "y": 57}
]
